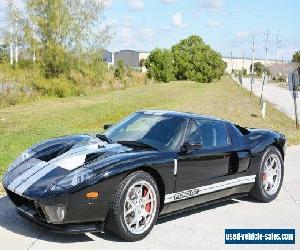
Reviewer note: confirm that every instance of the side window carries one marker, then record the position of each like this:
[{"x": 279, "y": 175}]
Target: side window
[
  {"x": 213, "y": 133},
  {"x": 193, "y": 134}
]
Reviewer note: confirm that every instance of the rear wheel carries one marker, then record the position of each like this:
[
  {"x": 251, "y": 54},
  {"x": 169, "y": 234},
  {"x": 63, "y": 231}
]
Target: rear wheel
[
  {"x": 135, "y": 207},
  {"x": 269, "y": 178}
]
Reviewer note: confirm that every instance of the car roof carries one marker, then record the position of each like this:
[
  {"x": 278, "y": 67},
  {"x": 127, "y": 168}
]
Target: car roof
[{"x": 178, "y": 114}]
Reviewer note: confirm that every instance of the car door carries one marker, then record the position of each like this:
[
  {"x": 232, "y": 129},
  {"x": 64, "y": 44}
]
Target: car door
[{"x": 209, "y": 163}]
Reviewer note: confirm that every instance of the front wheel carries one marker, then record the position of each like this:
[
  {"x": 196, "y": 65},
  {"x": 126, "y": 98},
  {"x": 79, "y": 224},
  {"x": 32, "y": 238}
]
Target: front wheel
[
  {"x": 134, "y": 207},
  {"x": 270, "y": 176}
]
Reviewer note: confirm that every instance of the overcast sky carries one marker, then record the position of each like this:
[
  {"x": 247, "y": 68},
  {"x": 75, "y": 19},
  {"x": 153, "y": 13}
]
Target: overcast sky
[{"x": 224, "y": 24}]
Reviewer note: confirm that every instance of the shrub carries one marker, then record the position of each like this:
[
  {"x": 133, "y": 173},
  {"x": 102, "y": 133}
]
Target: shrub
[
  {"x": 56, "y": 61},
  {"x": 160, "y": 65},
  {"x": 55, "y": 87},
  {"x": 259, "y": 68},
  {"x": 120, "y": 70},
  {"x": 296, "y": 57},
  {"x": 3, "y": 56},
  {"x": 196, "y": 61}
]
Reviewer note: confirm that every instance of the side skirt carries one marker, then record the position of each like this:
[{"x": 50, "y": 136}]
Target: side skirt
[
  {"x": 195, "y": 207},
  {"x": 207, "y": 198}
]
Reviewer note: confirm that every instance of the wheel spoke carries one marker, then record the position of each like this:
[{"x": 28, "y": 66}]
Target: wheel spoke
[
  {"x": 146, "y": 201},
  {"x": 129, "y": 211},
  {"x": 130, "y": 202},
  {"x": 134, "y": 221}
]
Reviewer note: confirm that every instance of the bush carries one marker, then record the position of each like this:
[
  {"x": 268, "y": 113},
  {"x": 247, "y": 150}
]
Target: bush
[
  {"x": 55, "y": 87},
  {"x": 296, "y": 57},
  {"x": 120, "y": 70},
  {"x": 3, "y": 56},
  {"x": 259, "y": 68},
  {"x": 56, "y": 61},
  {"x": 196, "y": 61},
  {"x": 160, "y": 65}
]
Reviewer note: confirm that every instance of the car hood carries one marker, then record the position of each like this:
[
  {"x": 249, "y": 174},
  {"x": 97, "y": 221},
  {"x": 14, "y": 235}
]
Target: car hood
[{"x": 53, "y": 159}]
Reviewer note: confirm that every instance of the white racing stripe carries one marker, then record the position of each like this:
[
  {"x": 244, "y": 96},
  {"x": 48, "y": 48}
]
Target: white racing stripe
[
  {"x": 34, "y": 178},
  {"x": 209, "y": 188},
  {"x": 24, "y": 177}
]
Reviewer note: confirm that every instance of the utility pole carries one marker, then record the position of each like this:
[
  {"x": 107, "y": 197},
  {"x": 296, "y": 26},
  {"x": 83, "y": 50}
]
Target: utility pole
[
  {"x": 252, "y": 66},
  {"x": 231, "y": 60},
  {"x": 266, "y": 62},
  {"x": 243, "y": 64},
  {"x": 278, "y": 41}
]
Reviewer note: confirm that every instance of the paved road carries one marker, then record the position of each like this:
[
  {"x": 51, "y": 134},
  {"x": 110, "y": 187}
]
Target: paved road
[
  {"x": 277, "y": 95},
  {"x": 200, "y": 229}
]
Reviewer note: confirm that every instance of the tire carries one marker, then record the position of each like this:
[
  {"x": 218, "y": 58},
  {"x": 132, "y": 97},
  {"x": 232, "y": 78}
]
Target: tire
[
  {"x": 262, "y": 190},
  {"x": 137, "y": 187}
]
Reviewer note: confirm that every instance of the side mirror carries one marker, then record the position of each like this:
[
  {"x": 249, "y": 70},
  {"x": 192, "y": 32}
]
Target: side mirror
[
  {"x": 188, "y": 147},
  {"x": 106, "y": 126}
]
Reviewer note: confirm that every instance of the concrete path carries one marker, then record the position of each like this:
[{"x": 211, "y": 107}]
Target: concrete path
[
  {"x": 200, "y": 229},
  {"x": 281, "y": 97}
]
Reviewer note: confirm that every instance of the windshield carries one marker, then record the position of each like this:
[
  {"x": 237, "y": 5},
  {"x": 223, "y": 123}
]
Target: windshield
[{"x": 158, "y": 131}]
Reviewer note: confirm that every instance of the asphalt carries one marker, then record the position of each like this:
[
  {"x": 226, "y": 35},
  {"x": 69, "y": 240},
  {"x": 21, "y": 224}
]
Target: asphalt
[
  {"x": 199, "y": 229},
  {"x": 279, "y": 96}
]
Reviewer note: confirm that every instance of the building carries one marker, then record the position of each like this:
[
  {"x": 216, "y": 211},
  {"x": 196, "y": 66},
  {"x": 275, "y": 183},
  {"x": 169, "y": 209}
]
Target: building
[
  {"x": 238, "y": 63},
  {"x": 130, "y": 57}
]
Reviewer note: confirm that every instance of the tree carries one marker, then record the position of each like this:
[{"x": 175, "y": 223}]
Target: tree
[
  {"x": 160, "y": 65},
  {"x": 296, "y": 57},
  {"x": 62, "y": 28},
  {"x": 142, "y": 62},
  {"x": 194, "y": 60},
  {"x": 120, "y": 70},
  {"x": 259, "y": 68}
]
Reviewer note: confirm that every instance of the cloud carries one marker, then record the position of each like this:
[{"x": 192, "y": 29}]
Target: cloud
[
  {"x": 147, "y": 33},
  {"x": 212, "y": 23},
  {"x": 211, "y": 4},
  {"x": 242, "y": 34},
  {"x": 168, "y": 1},
  {"x": 107, "y": 3},
  {"x": 136, "y": 4},
  {"x": 177, "y": 20}
]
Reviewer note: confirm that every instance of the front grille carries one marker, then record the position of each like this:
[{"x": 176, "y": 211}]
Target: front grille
[{"x": 20, "y": 201}]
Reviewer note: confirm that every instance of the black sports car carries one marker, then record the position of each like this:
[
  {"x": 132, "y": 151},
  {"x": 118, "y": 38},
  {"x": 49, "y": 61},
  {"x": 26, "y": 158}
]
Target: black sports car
[{"x": 151, "y": 164}]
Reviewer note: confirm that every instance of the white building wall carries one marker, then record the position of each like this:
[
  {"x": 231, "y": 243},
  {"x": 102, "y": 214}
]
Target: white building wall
[{"x": 237, "y": 63}]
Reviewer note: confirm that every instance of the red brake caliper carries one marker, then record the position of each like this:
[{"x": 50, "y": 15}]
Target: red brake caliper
[
  {"x": 148, "y": 205},
  {"x": 264, "y": 176}
]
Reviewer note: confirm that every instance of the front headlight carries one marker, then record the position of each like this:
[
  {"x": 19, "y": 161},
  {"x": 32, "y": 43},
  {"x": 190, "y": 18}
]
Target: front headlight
[
  {"x": 21, "y": 158},
  {"x": 74, "y": 178}
]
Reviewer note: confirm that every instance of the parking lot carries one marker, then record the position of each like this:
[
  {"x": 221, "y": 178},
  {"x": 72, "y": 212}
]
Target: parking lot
[{"x": 202, "y": 228}]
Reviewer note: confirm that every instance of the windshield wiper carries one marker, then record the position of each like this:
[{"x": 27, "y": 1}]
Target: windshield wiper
[
  {"x": 104, "y": 138},
  {"x": 137, "y": 144}
]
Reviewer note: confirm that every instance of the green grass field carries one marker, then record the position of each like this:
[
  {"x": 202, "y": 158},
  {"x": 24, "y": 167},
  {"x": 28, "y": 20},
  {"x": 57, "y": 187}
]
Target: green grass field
[{"x": 26, "y": 124}]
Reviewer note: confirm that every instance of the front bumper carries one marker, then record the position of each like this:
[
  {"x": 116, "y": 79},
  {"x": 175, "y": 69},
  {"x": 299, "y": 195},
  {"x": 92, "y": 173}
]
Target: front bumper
[
  {"x": 77, "y": 228},
  {"x": 80, "y": 218}
]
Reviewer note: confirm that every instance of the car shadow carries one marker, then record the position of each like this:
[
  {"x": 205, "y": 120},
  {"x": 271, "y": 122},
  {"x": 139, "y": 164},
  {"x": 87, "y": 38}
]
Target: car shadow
[{"x": 12, "y": 221}]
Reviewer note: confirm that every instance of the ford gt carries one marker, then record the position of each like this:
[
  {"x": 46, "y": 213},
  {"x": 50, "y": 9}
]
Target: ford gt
[{"x": 152, "y": 163}]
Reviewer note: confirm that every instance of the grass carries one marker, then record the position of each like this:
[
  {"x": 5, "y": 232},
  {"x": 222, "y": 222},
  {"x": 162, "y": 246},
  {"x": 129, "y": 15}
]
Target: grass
[{"x": 26, "y": 124}]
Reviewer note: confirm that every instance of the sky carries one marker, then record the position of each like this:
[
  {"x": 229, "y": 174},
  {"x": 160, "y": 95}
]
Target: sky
[{"x": 226, "y": 25}]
